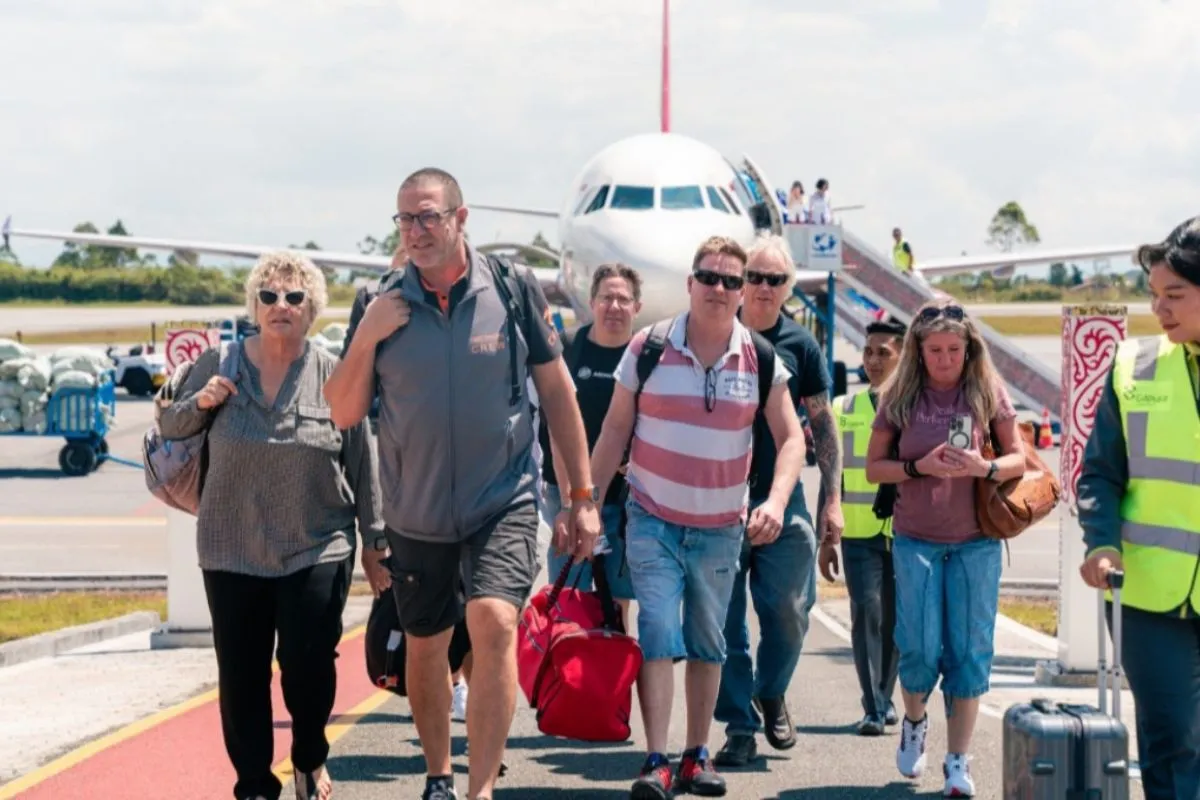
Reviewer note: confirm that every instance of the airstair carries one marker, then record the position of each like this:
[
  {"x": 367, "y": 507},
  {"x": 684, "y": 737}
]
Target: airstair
[{"x": 867, "y": 282}]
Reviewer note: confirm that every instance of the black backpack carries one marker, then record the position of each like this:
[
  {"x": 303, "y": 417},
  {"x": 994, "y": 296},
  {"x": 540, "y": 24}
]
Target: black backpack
[
  {"x": 508, "y": 286},
  {"x": 652, "y": 352}
]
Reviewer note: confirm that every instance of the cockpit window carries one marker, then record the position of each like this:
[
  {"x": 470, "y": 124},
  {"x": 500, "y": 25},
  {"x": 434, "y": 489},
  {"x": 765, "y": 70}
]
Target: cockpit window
[
  {"x": 598, "y": 201},
  {"x": 637, "y": 198},
  {"x": 729, "y": 199},
  {"x": 679, "y": 197},
  {"x": 715, "y": 200}
]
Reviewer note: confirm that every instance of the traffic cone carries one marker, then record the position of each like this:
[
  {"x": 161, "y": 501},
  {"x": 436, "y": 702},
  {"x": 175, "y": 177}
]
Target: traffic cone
[{"x": 1045, "y": 439}]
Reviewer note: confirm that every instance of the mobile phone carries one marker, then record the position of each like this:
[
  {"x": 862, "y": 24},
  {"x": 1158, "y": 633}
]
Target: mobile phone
[{"x": 960, "y": 432}]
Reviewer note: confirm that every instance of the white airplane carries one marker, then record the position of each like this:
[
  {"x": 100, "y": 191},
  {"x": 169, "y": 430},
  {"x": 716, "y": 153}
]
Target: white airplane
[{"x": 647, "y": 201}]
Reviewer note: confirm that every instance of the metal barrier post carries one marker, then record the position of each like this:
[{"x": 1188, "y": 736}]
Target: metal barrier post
[{"x": 1090, "y": 335}]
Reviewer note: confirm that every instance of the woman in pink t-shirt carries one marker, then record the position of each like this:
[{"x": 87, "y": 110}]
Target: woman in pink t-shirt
[{"x": 934, "y": 412}]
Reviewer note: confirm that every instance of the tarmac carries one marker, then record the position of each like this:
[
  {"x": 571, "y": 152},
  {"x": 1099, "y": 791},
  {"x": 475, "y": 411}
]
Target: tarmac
[{"x": 116, "y": 719}]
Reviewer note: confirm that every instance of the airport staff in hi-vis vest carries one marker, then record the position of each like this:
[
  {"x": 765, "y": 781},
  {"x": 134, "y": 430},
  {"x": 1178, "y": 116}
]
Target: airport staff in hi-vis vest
[
  {"x": 867, "y": 540},
  {"x": 902, "y": 254},
  {"x": 1139, "y": 505}
]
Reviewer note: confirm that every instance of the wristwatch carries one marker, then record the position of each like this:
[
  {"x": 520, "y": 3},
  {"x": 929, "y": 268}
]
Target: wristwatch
[
  {"x": 380, "y": 544},
  {"x": 585, "y": 493}
]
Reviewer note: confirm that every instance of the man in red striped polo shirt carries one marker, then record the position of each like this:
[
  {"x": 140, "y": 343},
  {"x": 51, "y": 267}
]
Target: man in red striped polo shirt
[{"x": 687, "y": 512}]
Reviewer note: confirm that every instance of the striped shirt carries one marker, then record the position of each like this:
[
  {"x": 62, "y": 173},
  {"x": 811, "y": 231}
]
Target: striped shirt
[{"x": 689, "y": 465}]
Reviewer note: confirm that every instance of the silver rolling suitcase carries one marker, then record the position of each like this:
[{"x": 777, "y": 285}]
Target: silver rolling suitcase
[{"x": 1063, "y": 750}]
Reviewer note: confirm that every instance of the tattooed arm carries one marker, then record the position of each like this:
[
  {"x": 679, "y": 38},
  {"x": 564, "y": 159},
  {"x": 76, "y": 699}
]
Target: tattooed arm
[{"x": 829, "y": 461}]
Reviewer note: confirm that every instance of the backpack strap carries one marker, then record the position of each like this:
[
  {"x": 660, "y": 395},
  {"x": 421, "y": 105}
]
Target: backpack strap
[
  {"x": 764, "y": 353},
  {"x": 651, "y": 353},
  {"x": 573, "y": 343},
  {"x": 504, "y": 276},
  {"x": 230, "y": 362}
]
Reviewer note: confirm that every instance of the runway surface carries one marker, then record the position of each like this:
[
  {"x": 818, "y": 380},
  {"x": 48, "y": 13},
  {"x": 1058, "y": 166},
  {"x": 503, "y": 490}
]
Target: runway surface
[{"x": 108, "y": 522}]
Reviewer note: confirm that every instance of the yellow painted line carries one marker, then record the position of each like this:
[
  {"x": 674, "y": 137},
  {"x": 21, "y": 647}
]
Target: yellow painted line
[
  {"x": 339, "y": 728},
  {"x": 86, "y": 751},
  {"x": 82, "y": 522}
]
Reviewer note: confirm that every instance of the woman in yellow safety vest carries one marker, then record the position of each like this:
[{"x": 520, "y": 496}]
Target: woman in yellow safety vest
[
  {"x": 867, "y": 540},
  {"x": 1139, "y": 506}
]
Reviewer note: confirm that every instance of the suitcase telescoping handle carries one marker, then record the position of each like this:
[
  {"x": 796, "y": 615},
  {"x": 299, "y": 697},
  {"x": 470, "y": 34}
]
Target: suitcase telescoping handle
[{"x": 1116, "y": 579}]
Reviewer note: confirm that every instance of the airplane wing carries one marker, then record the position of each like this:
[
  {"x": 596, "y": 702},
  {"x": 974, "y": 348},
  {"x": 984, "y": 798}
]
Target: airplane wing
[
  {"x": 351, "y": 260},
  {"x": 548, "y": 278},
  {"x": 999, "y": 262},
  {"x": 529, "y": 212}
]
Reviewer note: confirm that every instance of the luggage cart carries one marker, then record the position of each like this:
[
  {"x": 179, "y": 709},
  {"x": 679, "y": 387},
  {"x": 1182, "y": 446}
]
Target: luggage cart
[{"x": 83, "y": 417}]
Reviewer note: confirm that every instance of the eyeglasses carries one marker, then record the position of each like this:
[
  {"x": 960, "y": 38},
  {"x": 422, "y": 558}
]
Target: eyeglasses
[
  {"x": 956, "y": 313},
  {"x": 269, "y": 297},
  {"x": 615, "y": 300},
  {"x": 710, "y": 389},
  {"x": 709, "y": 278},
  {"x": 772, "y": 279},
  {"x": 426, "y": 219}
]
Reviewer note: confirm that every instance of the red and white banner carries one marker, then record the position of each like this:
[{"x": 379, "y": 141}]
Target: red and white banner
[
  {"x": 186, "y": 344},
  {"x": 1089, "y": 344}
]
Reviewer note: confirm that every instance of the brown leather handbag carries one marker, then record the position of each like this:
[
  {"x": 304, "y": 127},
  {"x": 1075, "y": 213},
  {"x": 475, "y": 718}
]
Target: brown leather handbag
[{"x": 1009, "y": 508}]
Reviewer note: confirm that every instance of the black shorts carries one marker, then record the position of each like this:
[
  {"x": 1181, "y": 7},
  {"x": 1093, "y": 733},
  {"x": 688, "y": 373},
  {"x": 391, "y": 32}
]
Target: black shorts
[{"x": 434, "y": 580}]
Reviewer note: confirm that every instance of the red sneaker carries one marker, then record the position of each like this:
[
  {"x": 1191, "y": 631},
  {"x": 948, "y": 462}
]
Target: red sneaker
[{"x": 697, "y": 774}]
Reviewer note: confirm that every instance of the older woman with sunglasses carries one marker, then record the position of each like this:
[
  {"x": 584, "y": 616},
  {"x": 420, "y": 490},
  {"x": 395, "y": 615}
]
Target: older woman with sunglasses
[
  {"x": 934, "y": 413},
  {"x": 276, "y": 525},
  {"x": 1139, "y": 507}
]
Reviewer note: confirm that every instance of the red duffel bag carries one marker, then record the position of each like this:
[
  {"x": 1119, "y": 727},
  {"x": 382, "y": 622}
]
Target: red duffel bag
[{"x": 575, "y": 663}]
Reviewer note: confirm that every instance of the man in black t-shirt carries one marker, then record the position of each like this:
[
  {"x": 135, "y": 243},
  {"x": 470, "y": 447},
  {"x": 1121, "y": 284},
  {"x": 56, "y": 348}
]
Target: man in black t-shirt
[
  {"x": 592, "y": 355},
  {"x": 781, "y": 573}
]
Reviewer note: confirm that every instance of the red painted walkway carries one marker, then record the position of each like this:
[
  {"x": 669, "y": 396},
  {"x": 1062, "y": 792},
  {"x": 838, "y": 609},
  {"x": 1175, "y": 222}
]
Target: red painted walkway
[{"x": 183, "y": 756}]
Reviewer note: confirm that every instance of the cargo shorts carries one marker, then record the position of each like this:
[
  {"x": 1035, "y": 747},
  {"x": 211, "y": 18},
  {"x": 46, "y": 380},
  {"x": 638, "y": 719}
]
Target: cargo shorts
[{"x": 435, "y": 580}]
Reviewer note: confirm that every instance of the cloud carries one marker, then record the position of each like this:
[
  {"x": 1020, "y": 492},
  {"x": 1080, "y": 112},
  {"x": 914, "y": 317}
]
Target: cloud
[{"x": 273, "y": 122}]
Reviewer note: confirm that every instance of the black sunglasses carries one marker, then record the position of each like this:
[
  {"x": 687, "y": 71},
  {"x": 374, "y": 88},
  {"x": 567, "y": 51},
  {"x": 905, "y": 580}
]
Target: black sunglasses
[
  {"x": 772, "y": 279},
  {"x": 956, "y": 313},
  {"x": 709, "y": 278},
  {"x": 269, "y": 297}
]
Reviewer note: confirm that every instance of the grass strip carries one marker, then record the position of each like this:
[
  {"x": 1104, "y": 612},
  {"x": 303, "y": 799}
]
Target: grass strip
[
  {"x": 1041, "y": 614},
  {"x": 23, "y": 615}
]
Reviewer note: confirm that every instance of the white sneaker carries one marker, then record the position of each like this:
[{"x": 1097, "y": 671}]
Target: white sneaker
[
  {"x": 458, "y": 708},
  {"x": 958, "y": 777},
  {"x": 910, "y": 755}
]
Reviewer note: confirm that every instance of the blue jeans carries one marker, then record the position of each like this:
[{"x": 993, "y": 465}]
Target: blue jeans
[
  {"x": 677, "y": 569},
  {"x": 783, "y": 586},
  {"x": 614, "y": 562},
  {"x": 946, "y": 603}
]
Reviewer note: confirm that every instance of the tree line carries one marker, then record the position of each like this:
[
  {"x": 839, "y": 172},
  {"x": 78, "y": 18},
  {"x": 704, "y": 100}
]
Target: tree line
[
  {"x": 96, "y": 273},
  {"x": 1010, "y": 227}
]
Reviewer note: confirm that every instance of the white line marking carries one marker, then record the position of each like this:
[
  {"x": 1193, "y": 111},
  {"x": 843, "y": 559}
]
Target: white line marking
[{"x": 837, "y": 630}]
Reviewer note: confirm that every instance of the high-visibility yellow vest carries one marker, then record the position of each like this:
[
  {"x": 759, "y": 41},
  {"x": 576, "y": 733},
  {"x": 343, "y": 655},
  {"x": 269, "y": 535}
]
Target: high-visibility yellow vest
[
  {"x": 855, "y": 413},
  {"x": 901, "y": 258},
  {"x": 1160, "y": 512}
]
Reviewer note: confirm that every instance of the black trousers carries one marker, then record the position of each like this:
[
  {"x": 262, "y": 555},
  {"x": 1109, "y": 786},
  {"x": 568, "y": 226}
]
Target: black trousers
[
  {"x": 871, "y": 584},
  {"x": 1161, "y": 656},
  {"x": 305, "y": 610}
]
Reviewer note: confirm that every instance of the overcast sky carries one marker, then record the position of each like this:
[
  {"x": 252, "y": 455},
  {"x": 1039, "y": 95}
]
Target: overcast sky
[{"x": 272, "y": 122}]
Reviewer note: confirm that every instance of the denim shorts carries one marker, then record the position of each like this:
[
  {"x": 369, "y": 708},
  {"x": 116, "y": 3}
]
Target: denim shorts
[
  {"x": 580, "y": 575},
  {"x": 683, "y": 579},
  {"x": 946, "y": 604}
]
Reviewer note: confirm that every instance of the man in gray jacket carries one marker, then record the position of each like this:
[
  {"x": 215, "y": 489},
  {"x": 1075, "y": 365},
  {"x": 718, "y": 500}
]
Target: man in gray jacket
[{"x": 447, "y": 347}]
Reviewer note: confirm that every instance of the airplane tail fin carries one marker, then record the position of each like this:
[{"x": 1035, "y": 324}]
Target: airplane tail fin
[{"x": 666, "y": 66}]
